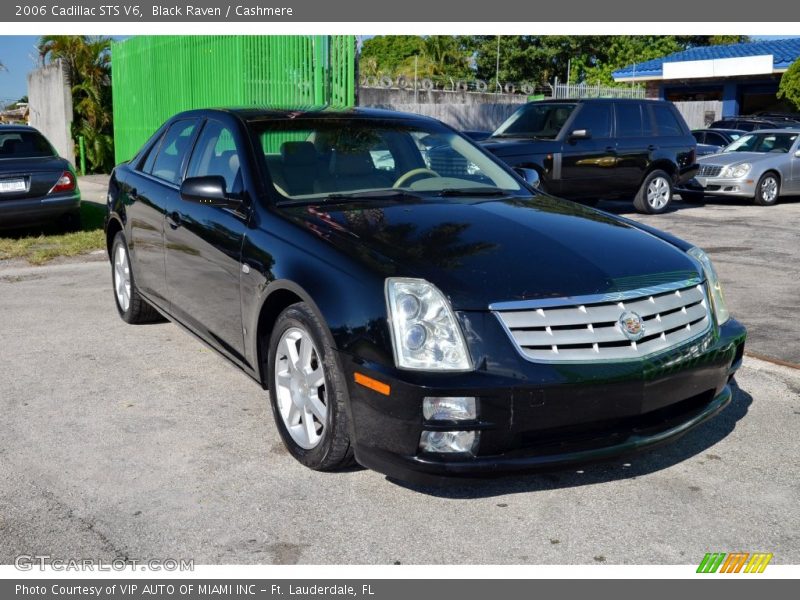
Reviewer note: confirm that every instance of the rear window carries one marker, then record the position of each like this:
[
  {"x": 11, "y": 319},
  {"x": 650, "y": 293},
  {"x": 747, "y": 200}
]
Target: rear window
[
  {"x": 24, "y": 144},
  {"x": 666, "y": 122}
]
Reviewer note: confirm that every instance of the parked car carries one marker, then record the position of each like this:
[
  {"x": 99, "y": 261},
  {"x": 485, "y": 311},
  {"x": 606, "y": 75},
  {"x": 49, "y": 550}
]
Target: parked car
[
  {"x": 763, "y": 165},
  {"x": 711, "y": 141},
  {"x": 754, "y": 123},
  {"x": 420, "y": 324},
  {"x": 594, "y": 149},
  {"x": 36, "y": 185}
]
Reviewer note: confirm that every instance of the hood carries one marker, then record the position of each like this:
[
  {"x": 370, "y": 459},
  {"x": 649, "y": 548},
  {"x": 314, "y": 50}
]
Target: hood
[
  {"x": 481, "y": 252},
  {"x": 731, "y": 158},
  {"x": 502, "y": 146}
]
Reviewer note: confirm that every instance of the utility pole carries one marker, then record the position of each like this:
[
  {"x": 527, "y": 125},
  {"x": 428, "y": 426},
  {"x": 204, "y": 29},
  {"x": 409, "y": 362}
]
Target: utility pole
[{"x": 497, "y": 68}]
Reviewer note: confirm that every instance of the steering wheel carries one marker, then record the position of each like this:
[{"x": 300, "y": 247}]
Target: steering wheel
[{"x": 413, "y": 173}]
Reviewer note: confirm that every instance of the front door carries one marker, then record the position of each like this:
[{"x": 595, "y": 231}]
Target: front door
[
  {"x": 204, "y": 247},
  {"x": 588, "y": 163}
]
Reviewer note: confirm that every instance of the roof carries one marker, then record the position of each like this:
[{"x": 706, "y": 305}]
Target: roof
[
  {"x": 308, "y": 112},
  {"x": 784, "y": 53}
]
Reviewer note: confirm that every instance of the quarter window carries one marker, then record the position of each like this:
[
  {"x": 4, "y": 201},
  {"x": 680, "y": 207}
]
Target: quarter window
[{"x": 665, "y": 120}]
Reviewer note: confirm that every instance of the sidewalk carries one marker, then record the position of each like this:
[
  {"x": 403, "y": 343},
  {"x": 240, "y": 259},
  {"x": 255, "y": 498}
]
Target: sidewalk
[{"x": 93, "y": 188}]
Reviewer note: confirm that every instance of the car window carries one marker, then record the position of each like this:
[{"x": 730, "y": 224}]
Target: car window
[
  {"x": 715, "y": 139},
  {"x": 24, "y": 144},
  {"x": 215, "y": 153},
  {"x": 172, "y": 151},
  {"x": 317, "y": 157},
  {"x": 699, "y": 136},
  {"x": 763, "y": 142},
  {"x": 538, "y": 119},
  {"x": 596, "y": 118},
  {"x": 629, "y": 119},
  {"x": 666, "y": 121}
]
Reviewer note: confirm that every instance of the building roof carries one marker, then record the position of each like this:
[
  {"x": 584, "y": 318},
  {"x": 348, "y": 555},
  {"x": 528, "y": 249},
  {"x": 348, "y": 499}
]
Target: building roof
[{"x": 784, "y": 53}]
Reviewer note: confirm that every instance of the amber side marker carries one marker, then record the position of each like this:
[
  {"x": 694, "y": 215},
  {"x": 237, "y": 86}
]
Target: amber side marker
[{"x": 373, "y": 384}]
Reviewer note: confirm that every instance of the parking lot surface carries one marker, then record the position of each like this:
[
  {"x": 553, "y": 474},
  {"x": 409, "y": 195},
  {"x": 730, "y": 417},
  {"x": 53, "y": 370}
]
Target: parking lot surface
[{"x": 138, "y": 442}]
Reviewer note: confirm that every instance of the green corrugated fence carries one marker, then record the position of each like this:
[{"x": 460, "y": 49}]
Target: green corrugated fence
[{"x": 155, "y": 77}]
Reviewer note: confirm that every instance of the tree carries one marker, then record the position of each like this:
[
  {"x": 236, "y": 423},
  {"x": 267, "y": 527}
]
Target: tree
[
  {"x": 385, "y": 53},
  {"x": 789, "y": 88},
  {"x": 88, "y": 63}
]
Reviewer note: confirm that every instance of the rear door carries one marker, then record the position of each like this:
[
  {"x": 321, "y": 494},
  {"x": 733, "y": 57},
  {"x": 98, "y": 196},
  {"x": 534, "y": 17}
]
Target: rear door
[
  {"x": 635, "y": 143},
  {"x": 150, "y": 188},
  {"x": 204, "y": 245},
  {"x": 588, "y": 164}
]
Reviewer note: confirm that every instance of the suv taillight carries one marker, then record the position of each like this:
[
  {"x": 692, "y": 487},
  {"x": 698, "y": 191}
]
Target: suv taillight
[{"x": 65, "y": 183}]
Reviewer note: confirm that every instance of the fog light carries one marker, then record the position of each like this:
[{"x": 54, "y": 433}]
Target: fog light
[
  {"x": 449, "y": 442},
  {"x": 453, "y": 408}
]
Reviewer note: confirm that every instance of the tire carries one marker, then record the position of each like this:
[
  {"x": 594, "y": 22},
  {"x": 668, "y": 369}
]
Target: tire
[
  {"x": 655, "y": 194},
  {"x": 693, "y": 197},
  {"x": 768, "y": 190},
  {"x": 131, "y": 306},
  {"x": 316, "y": 433}
]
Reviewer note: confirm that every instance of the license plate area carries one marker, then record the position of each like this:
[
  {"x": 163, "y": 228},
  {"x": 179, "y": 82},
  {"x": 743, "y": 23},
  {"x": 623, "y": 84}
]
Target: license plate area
[{"x": 10, "y": 186}]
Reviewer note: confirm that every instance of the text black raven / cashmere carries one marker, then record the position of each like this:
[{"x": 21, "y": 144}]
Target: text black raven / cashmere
[{"x": 409, "y": 302}]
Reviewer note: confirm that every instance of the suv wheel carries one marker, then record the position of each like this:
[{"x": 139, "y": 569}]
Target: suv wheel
[
  {"x": 131, "y": 306},
  {"x": 307, "y": 391},
  {"x": 655, "y": 194},
  {"x": 768, "y": 189}
]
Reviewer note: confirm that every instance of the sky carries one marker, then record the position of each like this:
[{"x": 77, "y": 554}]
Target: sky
[{"x": 18, "y": 54}]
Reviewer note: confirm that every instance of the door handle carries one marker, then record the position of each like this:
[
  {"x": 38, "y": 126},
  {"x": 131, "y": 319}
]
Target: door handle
[
  {"x": 611, "y": 149},
  {"x": 174, "y": 219},
  {"x": 132, "y": 194},
  {"x": 652, "y": 147}
]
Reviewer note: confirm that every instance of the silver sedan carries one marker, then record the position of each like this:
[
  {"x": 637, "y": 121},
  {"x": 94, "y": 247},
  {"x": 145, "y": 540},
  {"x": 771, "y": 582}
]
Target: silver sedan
[{"x": 763, "y": 165}]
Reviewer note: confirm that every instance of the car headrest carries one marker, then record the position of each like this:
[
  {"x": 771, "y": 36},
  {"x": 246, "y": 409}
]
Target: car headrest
[
  {"x": 298, "y": 154},
  {"x": 355, "y": 163}
]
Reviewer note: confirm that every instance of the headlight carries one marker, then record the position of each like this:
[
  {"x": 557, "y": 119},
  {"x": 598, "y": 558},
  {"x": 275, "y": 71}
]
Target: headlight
[
  {"x": 717, "y": 297},
  {"x": 425, "y": 334},
  {"x": 737, "y": 171}
]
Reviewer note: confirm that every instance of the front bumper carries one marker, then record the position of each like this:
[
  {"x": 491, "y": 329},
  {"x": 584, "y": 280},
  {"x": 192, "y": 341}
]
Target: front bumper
[
  {"x": 31, "y": 211},
  {"x": 721, "y": 186},
  {"x": 557, "y": 415}
]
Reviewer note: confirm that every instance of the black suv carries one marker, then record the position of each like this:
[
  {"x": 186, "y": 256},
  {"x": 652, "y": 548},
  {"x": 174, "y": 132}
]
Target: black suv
[{"x": 594, "y": 149}]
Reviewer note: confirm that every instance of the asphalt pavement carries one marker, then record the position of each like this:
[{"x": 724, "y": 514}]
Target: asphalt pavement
[{"x": 138, "y": 442}]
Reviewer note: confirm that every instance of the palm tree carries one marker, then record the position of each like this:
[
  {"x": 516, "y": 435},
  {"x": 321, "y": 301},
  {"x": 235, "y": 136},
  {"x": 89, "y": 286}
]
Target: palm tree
[{"x": 88, "y": 63}]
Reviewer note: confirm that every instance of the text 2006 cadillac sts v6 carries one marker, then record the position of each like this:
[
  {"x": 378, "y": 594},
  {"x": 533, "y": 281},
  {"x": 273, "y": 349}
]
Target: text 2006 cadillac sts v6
[{"x": 410, "y": 302}]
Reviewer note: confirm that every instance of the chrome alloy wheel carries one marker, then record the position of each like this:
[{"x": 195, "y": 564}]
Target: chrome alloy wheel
[
  {"x": 122, "y": 277},
  {"x": 300, "y": 388},
  {"x": 769, "y": 189},
  {"x": 658, "y": 193}
]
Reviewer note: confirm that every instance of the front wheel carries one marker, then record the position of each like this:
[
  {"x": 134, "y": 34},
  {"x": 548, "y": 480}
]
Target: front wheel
[
  {"x": 655, "y": 194},
  {"x": 307, "y": 391},
  {"x": 768, "y": 190}
]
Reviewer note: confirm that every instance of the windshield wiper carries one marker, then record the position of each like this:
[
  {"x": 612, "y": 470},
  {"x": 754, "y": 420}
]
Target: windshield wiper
[
  {"x": 362, "y": 196},
  {"x": 474, "y": 191}
]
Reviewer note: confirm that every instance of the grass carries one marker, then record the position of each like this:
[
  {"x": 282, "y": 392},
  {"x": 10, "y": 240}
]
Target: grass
[{"x": 41, "y": 245}]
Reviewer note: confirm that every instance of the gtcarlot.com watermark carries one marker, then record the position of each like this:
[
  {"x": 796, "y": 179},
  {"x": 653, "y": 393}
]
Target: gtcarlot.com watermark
[{"x": 45, "y": 562}]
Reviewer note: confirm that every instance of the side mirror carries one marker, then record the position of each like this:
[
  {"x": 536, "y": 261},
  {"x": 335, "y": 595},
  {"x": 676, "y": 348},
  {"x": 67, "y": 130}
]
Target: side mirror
[
  {"x": 531, "y": 176},
  {"x": 208, "y": 190},
  {"x": 580, "y": 134},
  {"x": 797, "y": 154}
]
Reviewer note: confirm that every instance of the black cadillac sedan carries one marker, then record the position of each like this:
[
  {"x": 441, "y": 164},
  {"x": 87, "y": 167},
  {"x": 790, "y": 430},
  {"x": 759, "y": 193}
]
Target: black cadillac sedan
[
  {"x": 36, "y": 185},
  {"x": 411, "y": 303}
]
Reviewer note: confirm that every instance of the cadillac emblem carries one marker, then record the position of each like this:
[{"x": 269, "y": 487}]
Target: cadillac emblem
[{"x": 631, "y": 325}]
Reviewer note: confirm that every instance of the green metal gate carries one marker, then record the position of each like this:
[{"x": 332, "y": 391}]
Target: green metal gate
[{"x": 155, "y": 77}]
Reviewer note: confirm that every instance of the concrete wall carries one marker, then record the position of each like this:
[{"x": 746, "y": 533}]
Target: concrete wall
[
  {"x": 462, "y": 110},
  {"x": 50, "y": 103}
]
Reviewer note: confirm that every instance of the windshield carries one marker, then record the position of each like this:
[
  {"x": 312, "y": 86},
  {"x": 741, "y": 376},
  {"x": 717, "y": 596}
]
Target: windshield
[
  {"x": 24, "y": 144},
  {"x": 763, "y": 142},
  {"x": 319, "y": 158},
  {"x": 539, "y": 120}
]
